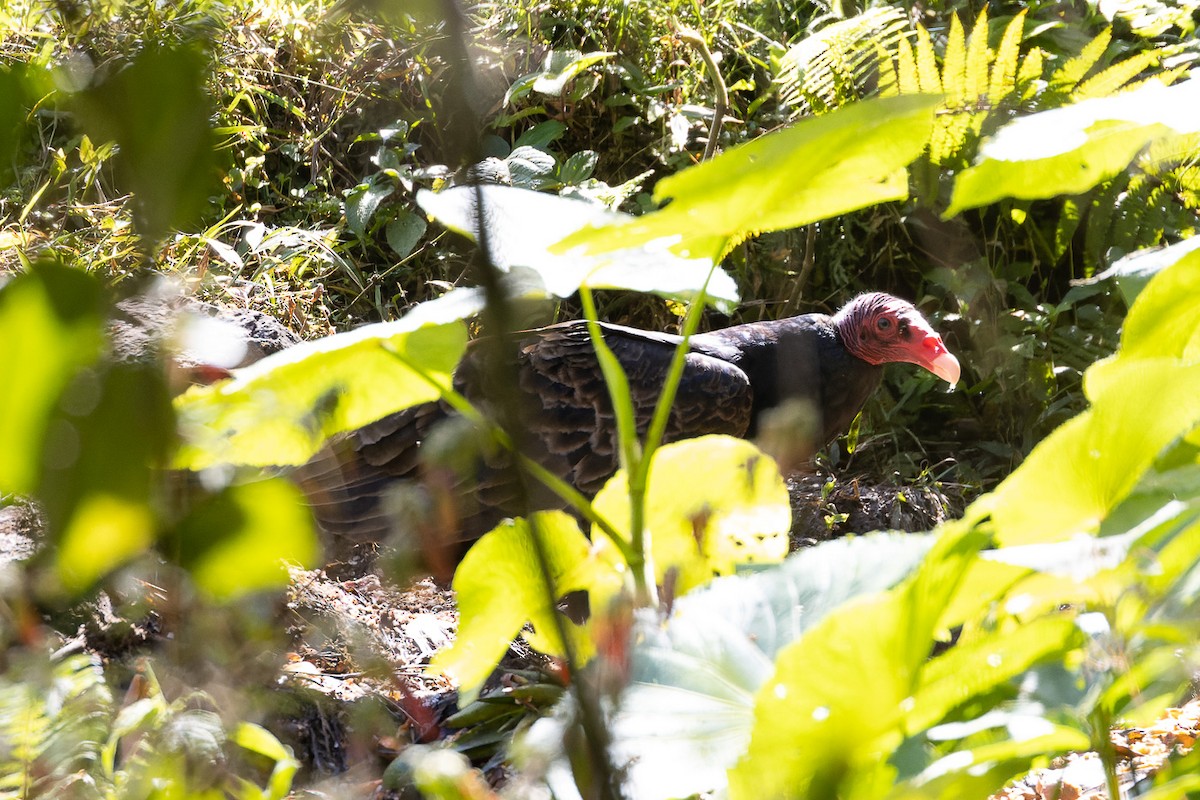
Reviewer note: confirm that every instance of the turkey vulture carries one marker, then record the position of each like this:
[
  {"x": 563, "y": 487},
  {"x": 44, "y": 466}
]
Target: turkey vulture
[{"x": 731, "y": 377}]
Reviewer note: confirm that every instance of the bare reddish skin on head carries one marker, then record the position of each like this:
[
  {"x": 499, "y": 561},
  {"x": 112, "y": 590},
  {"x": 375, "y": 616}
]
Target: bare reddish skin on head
[{"x": 881, "y": 329}]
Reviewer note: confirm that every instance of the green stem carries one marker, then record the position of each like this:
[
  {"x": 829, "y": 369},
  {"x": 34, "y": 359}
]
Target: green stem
[
  {"x": 721, "y": 102},
  {"x": 641, "y": 565},
  {"x": 639, "y": 477}
]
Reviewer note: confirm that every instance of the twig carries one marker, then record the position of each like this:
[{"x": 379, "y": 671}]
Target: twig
[
  {"x": 721, "y": 104},
  {"x": 500, "y": 369}
]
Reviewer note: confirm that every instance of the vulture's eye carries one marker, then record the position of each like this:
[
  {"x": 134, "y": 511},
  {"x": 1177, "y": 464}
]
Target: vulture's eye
[{"x": 884, "y": 323}]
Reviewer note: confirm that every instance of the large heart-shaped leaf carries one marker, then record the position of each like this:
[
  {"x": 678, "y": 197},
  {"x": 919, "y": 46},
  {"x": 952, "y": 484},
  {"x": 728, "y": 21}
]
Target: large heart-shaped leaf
[{"x": 845, "y": 160}]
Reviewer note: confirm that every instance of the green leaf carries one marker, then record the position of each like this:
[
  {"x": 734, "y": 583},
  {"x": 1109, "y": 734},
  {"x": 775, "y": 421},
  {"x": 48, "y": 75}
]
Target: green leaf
[
  {"x": 1076, "y": 476},
  {"x": 828, "y": 732},
  {"x": 1069, "y": 150},
  {"x": 690, "y": 700},
  {"x": 1163, "y": 320},
  {"x": 404, "y": 232},
  {"x": 975, "y": 666},
  {"x": 563, "y": 65},
  {"x": 241, "y": 540},
  {"x": 530, "y": 167},
  {"x": 848, "y": 159},
  {"x": 1079, "y": 473},
  {"x": 259, "y": 740},
  {"x": 157, "y": 111},
  {"x": 712, "y": 503},
  {"x": 500, "y": 587},
  {"x": 52, "y": 318},
  {"x": 523, "y": 226},
  {"x": 113, "y": 428},
  {"x": 542, "y": 135},
  {"x": 578, "y": 168},
  {"x": 280, "y": 410},
  {"x": 363, "y": 201}
]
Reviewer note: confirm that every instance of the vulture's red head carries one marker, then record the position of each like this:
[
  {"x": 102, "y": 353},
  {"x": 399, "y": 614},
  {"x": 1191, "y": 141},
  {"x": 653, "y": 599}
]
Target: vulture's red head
[{"x": 880, "y": 329}]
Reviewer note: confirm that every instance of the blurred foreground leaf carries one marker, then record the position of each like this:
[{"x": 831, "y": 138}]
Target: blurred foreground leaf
[
  {"x": 156, "y": 110},
  {"x": 500, "y": 587},
  {"x": 1076, "y": 476},
  {"x": 840, "y": 697},
  {"x": 51, "y": 323},
  {"x": 112, "y": 433},
  {"x": 690, "y": 702},
  {"x": 280, "y": 410},
  {"x": 241, "y": 540}
]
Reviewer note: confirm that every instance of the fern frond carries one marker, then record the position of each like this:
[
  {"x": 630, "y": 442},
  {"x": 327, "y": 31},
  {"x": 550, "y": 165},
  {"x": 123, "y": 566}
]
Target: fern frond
[
  {"x": 954, "y": 65},
  {"x": 888, "y": 81},
  {"x": 906, "y": 68},
  {"x": 834, "y": 65},
  {"x": 978, "y": 61},
  {"x": 1004, "y": 67},
  {"x": 1029, "y": 74},
  {"x": 1168, "y": 152},
  {"x": 1069, "y": 75},
  {"x": 1114, "y": 77},
  {"x": 1100, "y": 220},
  {"x": 1166, "y": 78},
  {"x": 928, "y": 74},
  {"x": 53, "y": 730}
]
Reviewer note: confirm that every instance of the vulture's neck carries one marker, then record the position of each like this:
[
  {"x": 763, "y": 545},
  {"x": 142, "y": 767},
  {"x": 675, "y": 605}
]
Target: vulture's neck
[{"x": 800, "y": 358}]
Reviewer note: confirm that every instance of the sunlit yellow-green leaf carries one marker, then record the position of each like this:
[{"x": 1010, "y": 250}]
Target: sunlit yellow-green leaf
[
  {"x": 1076, "y": 476},
  {"x": 851, "y": 158},
  {"x": 281, "y": 409},
  {"x": 258, "y": 739},
  {"x": 242, "y": 540},
  {"x": 500, "y": 587},
  {"x": 50, "y": 320},
  {"x": 1163, "y": 320},
  {"x": 104, "y": 532},
  {"x": 1069, "y": 150},
  {"x": 712, "y": 503},
  {"x": 1079, "y": 473},
  {"x": 976, "y": 664}
]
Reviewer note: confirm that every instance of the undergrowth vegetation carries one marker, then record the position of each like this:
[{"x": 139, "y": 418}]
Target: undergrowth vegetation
[{"x": 673, "y": 165}]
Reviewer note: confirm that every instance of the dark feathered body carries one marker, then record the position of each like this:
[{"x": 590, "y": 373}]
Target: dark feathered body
[{"x": 730, "y": 378}]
